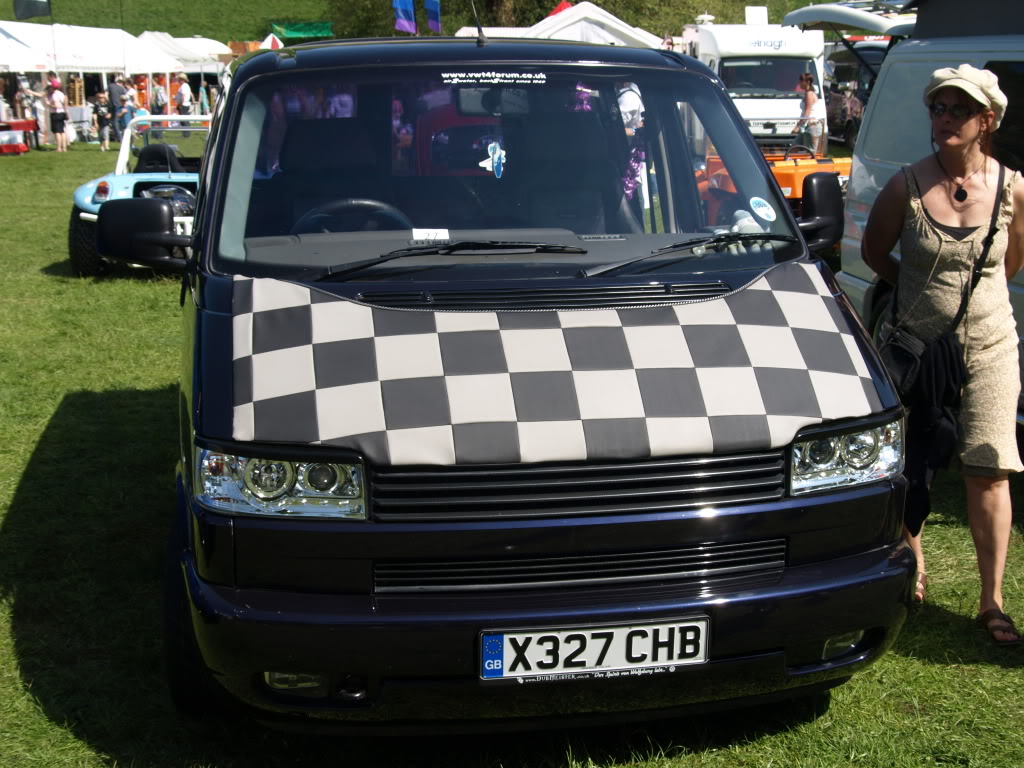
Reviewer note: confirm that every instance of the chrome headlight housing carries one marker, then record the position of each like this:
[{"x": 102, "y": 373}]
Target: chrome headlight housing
[
  {"x": 853, "y": 458},
  {"x": 257, "y": 486}
]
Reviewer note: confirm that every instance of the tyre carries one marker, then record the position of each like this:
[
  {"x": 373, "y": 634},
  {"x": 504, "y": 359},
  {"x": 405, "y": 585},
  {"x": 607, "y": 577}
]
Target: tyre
[
  {"x": 85, "y": 259},
  {"x": 193, "y": 692},
  {"x": 850, "y": 135}
]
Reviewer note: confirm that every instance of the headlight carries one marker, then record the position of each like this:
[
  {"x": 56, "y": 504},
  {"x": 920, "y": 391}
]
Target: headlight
[
  {"x": 249, "y": 486},
  {"x": 857, "y": 457}
]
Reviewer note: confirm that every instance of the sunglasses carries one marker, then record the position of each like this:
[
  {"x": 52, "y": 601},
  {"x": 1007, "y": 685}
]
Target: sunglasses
[{"x": 956, "y": 111}]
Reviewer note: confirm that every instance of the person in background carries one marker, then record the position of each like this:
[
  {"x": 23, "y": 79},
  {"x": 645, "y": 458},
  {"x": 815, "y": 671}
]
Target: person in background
[
  {"x": 183, "y": 98},
  {"x": 103, "y": 120},
  {"x": 57, "y": 104},
  {"x": 808, "y": 124},
  {"x": 204, "y": 99},
  {"x": 159, "y": 96},
  {"x": 133, "y": 94},
  {"x": 115, "y": 90},
  {"x": 124, "y": 113},
  {"x": 940, "y": 210}
]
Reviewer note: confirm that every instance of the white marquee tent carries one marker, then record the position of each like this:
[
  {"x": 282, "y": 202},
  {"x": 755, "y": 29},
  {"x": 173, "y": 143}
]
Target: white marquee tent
[
  {"x": 66, "y": 48},
  {"x": 196, "y": 54},
  {"x": 584, "y": 22},
  {"x": 18, "y": 56}
]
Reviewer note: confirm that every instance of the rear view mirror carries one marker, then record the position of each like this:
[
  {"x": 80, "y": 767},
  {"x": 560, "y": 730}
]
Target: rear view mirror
[
  {"x": 491, "y": 101},
  {"x": 822, "y": 219},
  {"x": 140, "y": 231}
]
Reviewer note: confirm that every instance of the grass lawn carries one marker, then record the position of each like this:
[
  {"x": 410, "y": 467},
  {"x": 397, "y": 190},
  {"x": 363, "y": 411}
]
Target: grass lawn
[{"x": 87, "y": 414}]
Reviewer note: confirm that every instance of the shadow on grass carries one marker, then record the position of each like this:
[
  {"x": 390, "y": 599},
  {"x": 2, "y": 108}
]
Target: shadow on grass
[
  {"x": 935, "y": 634},
  {"x": 117, "y": 272},
  {"x": 80, "y": 564}
]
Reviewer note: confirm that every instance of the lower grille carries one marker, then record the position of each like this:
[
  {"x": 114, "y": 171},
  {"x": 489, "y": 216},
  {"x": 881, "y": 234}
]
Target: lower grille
[
  {"x": 706, "y": 562},
  {"x": 507, "y": 491}
]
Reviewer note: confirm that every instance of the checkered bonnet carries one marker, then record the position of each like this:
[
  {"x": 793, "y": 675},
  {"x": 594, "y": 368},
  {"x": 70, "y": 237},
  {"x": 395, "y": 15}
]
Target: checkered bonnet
[{"x": 407, "y": 386}]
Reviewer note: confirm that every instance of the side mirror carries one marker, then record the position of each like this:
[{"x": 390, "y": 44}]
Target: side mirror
[
  {"x": 821, "y": 221},
  {"x": 140, "y": 231}
]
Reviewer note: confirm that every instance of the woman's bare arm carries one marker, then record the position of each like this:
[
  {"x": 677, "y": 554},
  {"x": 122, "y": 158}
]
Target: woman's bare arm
[
  {"x": 1015, "y": 236},
  {"x": 882, "y": 231}
]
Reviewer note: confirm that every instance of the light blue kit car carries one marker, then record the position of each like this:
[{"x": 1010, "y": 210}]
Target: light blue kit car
[{"x": 160, "y": 156}]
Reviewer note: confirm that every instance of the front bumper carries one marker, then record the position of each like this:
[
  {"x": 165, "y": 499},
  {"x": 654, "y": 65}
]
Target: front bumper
[{"x": 418, "y": 655}]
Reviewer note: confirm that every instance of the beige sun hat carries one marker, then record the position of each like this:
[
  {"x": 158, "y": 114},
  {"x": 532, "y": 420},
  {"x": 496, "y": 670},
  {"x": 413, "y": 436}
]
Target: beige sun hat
[{"x": 980, "y": 84}]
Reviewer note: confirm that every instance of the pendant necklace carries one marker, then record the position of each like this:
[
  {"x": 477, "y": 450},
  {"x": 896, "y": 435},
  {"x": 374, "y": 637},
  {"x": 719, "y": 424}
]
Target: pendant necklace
[{"x": 961, "y": 194}]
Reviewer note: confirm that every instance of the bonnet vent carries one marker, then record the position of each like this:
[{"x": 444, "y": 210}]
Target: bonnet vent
[{"x": 550, "y": 298}]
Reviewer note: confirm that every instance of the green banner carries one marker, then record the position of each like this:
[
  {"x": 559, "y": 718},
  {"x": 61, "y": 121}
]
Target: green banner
[{"x": 298, "y": 29}]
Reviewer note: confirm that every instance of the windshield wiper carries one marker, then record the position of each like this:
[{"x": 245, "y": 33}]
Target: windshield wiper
[
  {"x": 721, "y": 238},
  {"x": 342, "y": 270}
]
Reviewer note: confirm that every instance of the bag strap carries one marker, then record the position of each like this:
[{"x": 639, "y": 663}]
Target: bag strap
[{"x": 979, "y": 263}]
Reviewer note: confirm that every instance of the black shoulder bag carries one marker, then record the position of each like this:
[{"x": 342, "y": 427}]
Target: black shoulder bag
[{"x": 901, "y": 351}]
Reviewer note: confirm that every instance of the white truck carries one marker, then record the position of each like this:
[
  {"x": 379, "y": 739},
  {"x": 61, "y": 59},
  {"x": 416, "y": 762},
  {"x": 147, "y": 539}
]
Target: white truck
[{"x": 761, "y": 65}]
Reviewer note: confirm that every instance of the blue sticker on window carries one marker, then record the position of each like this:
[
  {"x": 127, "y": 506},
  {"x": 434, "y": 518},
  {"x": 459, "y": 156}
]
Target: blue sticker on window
[
  {"x": 495, "y": 162},
  {"x": 492, "y": 655}
]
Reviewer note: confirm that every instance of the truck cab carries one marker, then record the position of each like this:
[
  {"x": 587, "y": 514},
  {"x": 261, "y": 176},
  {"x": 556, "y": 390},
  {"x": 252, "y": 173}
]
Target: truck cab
[{"x": 761, "y": 66}]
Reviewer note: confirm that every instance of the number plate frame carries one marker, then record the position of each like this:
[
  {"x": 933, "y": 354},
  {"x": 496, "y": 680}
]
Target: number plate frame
[{"x": 515, "y": 647}]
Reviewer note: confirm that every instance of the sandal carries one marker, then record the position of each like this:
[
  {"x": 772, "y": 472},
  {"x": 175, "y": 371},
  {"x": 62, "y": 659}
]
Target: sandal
[
  {"x": 1005, "y": 626},
  {"x": 920, "y": 587}
]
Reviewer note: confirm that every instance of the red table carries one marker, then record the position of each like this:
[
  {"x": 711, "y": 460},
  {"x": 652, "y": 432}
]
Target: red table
[{"x": 29, "y": 127}]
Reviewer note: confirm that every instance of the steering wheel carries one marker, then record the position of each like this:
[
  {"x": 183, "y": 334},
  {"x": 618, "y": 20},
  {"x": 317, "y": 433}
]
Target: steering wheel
[
  {"x": 377, "y": 211},
  {"x": 800, "y": 148}
]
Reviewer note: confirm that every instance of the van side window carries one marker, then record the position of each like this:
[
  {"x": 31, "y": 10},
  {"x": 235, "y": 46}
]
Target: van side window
[
  {"x": 1008, "y": 141},
  {"x": 899, "y": 94}
]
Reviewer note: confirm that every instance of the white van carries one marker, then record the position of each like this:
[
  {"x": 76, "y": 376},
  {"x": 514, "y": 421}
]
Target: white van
[
  {"x": 761, "y": 65},
  {"x": 895, "y": 132}
]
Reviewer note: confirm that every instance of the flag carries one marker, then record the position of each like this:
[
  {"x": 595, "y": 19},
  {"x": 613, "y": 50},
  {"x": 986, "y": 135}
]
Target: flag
[
  {"x": 26, "y": 9},
  {"x": 433, "y": 14},
  {"x": 405, "y": 16}
]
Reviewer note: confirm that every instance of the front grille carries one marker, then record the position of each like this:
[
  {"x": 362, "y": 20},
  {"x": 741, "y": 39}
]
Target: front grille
[
  {"x": 590, "y": 296},
  {"x": 704, "y": 563},
  {"x": 498, "y": 492}
]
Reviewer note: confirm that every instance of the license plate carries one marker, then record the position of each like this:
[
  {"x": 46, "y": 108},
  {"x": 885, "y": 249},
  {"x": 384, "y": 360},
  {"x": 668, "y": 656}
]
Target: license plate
[{"x": 612, "y": 651}]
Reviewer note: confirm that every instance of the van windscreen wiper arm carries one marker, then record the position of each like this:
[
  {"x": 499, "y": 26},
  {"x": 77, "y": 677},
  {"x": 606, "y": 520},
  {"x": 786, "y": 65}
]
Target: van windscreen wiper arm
[
  {"x": 342, "y": 270},
  {"x": 722, "y": 238}
]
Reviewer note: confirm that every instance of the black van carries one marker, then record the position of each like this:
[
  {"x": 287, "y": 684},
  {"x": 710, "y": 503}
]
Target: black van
[{"x": 504, "y": 398}]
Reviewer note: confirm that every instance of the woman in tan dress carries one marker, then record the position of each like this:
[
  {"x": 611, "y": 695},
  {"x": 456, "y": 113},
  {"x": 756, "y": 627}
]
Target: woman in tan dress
[{"x": 940, "y": 209}]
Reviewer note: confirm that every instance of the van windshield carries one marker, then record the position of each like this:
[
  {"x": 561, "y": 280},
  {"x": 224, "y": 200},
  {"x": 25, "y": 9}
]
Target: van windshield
[
  {"x": 764, "y": 77},
  {"x": 601, "y": 166}
]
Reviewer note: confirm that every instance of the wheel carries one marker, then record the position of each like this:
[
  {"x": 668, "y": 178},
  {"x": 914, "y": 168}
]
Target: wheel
[
  {"x": 85, "y": 259},
  {"x": 353, "y": 214},
  {"x": 193, "y": 691},
  {"x": 850, "y": 135}
]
